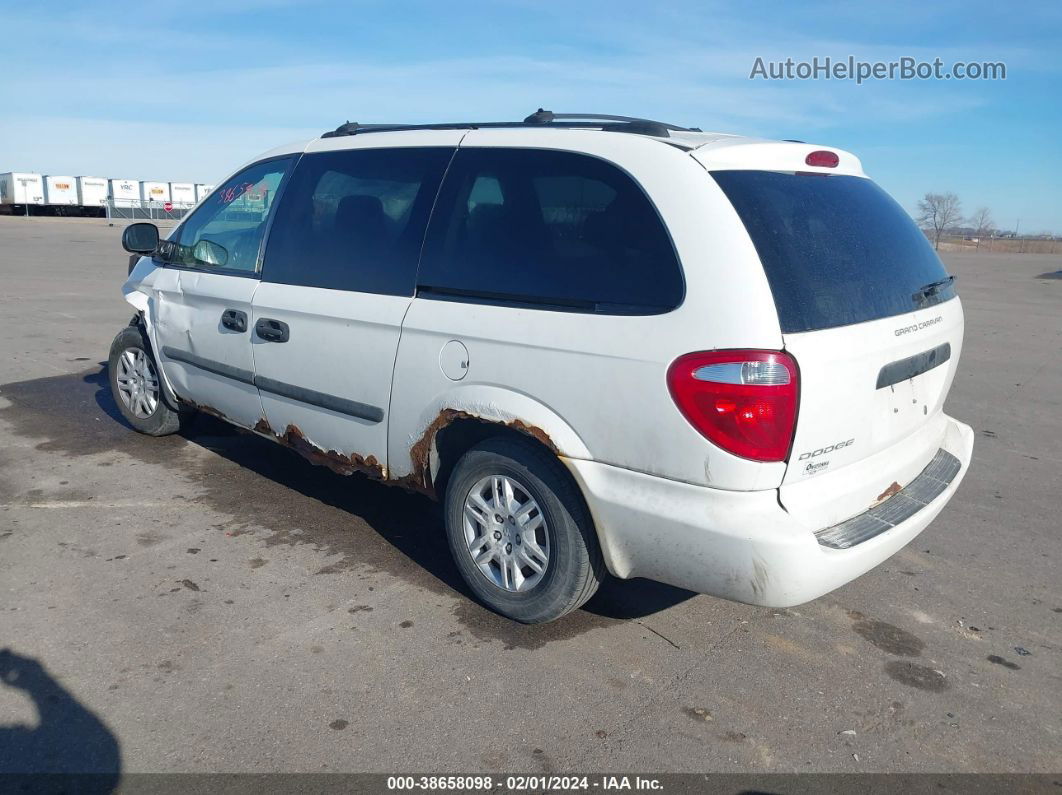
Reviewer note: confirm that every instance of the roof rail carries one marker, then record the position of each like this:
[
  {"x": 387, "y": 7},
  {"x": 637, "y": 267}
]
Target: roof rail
[
  {"x": 631, "y": 124},
  {"x": 540, "y": 118}
]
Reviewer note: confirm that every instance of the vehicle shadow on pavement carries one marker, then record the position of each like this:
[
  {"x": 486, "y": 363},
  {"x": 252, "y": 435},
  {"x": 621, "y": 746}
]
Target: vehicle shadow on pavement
[
  {"x": 70, "y": 743},
  {"x": 65, "y": 409}
]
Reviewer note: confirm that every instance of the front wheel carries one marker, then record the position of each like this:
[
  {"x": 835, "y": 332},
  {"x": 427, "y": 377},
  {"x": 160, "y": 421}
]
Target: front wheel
[
  {"x": 137, "y": 387},
  {"x": 520, "y": 532}
]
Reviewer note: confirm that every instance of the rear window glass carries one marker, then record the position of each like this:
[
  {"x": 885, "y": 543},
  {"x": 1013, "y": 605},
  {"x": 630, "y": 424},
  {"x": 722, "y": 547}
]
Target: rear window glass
[
  {"x": 555, "y": 229},
  {"x": 836, "y": 249}
]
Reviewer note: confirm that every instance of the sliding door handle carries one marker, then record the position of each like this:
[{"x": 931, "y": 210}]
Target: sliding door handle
[{"x": 272, "y": 330}]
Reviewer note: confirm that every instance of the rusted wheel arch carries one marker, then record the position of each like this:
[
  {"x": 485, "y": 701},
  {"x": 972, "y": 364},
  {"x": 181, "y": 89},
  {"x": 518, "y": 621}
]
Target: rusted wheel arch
[{"x": 450, "y": 435}]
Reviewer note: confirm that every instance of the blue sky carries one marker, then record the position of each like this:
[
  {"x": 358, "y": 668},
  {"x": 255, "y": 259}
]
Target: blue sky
[{"x": 186, "y": 91}]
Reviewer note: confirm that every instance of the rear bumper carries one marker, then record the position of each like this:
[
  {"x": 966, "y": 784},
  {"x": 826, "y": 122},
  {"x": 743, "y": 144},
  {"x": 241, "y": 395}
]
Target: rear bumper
[{"x": 738, "y": 545}]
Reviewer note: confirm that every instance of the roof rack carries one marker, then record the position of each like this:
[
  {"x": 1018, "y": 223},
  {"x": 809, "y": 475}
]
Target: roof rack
[{"x": 540, "y": 118}]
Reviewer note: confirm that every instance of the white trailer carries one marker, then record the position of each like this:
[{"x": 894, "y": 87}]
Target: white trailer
[
  {"x": 60, "y": 191},
  {"x": 182, "y": 193},
  {"x": 201, "y": 191},
  {"x": 124, "y": 192},
  {"x": 21, "y": 188},
  {"x": 155, "y": 191},
  {"x": 91, "y": 191}
]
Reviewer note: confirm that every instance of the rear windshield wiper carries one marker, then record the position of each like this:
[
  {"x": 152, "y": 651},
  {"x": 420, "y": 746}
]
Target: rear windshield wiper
[
  {"x": 927, "y": 291},
  {"x": 934, "y": 287}
]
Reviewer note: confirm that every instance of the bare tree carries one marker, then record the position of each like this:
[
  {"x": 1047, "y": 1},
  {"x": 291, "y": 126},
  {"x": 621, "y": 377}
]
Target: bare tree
[
  {"x": 982, "y": 223},
  {"x": 939, "y": 212}
]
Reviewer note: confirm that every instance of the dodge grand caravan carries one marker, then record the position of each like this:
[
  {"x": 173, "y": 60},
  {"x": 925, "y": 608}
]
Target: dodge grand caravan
[{"x": 606, "y": 345}]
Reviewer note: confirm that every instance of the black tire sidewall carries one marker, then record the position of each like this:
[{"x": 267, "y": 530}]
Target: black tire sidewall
[
  {"x": 569, "y": 558},
  {"x": 163, "y": 420}
]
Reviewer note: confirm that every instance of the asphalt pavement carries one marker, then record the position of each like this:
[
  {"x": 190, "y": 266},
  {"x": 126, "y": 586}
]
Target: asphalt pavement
[{"x": 212, "y": 602}]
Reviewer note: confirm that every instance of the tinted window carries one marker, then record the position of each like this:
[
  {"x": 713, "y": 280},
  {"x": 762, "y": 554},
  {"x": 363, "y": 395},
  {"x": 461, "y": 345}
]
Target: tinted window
[
  {"x": 232, "y": 218},
  {"x": 355, "y": 219},
  {"x": 554, "y": 228},
  {"x": 836, "y": 249}
]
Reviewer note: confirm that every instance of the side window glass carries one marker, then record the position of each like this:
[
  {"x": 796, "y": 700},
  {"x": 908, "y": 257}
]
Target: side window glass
[
  {"x": 354, "y": 219},
  {"x": 226, "y": 230},
  {"x": 553, "y": 228}
]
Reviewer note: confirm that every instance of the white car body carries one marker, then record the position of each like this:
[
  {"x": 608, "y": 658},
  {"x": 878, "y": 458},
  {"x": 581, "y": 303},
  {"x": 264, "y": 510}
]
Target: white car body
[{"x": 667, "y": 503}]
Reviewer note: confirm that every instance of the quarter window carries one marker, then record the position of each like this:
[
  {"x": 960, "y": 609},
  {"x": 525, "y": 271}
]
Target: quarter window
[
  {"x": 355, "y": 219},
  {"x": 225, "y": 232},
  {"x": 548, "y": 228}
]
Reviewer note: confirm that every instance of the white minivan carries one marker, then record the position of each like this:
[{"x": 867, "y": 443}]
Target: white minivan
[{"x": 605, "y": 344}]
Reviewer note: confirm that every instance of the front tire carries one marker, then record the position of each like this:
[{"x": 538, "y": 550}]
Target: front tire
[
  {"x": 520, "y": 532},
  {"x": 136, "y": 385}
]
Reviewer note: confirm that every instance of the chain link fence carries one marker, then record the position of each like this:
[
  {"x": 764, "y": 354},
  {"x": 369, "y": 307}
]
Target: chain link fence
[{"x": 135, "y": 210}]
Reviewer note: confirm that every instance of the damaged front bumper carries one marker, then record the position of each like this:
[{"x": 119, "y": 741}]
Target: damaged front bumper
[{"x": 738, "y": 545}]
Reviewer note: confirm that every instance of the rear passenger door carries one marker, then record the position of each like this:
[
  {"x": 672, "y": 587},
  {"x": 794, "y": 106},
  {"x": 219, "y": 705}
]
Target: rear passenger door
[
  {"x": 338, "y": 276},
  {"x": 545, "y": 284}
]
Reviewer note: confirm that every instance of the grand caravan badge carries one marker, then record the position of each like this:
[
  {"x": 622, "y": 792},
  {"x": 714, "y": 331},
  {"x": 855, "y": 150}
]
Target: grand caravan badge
[{"x": 918, "y": 326}]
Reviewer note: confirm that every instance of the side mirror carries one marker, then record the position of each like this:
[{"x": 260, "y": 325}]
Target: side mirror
[
  {"x": 140, "y": 238},
  {"x": 210, "y": 253}
]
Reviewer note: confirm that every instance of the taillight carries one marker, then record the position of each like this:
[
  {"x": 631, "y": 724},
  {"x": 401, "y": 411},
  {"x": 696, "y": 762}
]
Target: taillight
[
  {"x": 823, "y": 158},
  {"x": 743, "y": 401}
]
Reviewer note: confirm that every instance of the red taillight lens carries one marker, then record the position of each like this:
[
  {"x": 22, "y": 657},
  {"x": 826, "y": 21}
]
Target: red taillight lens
[
  {"x": 743, "y": 401},
  {"x": 823, "y": 159}
]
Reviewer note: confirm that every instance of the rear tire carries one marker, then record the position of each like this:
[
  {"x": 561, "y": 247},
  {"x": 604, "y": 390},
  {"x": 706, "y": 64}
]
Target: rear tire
[
  {"x": 136, "y": 385},
  {"x": 520, "y": 532}
]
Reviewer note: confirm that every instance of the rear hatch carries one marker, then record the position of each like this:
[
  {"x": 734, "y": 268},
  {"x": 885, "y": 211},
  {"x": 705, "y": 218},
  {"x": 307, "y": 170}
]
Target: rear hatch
[{"x": 870, "y": 315}]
